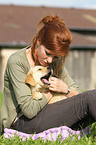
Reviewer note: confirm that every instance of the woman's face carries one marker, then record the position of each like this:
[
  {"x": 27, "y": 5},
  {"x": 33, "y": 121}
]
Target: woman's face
[{"x": 44, "y": 56}]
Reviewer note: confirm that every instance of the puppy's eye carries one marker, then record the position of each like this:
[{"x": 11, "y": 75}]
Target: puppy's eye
[{"x": 39, "y": 69}]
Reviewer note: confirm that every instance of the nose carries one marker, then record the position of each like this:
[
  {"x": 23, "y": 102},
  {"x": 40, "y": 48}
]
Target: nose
[
  {"x": 50, "y": 70},
  {"x": 49, "y": 59}
]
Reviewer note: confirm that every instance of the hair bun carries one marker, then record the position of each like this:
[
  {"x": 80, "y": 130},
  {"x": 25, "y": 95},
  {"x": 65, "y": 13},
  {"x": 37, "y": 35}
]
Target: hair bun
[
  {"x": 54, "y": 19},
  {"x": 50, "y": 19}
]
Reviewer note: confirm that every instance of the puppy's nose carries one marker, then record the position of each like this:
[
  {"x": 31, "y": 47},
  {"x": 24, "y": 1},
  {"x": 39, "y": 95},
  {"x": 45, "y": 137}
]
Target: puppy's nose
[{"x": 54, "y": 75}]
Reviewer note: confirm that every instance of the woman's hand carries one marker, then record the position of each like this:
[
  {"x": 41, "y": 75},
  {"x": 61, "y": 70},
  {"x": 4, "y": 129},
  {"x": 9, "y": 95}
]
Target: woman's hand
[{"x": 57, "y": 85}]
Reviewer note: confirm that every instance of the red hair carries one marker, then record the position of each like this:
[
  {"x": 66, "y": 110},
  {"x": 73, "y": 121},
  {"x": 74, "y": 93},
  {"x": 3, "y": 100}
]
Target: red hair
[{"x": 54, "y": 35}]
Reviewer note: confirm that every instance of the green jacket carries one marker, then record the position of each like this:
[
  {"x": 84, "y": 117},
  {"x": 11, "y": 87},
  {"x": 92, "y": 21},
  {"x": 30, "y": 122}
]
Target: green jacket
[{"x": 17, "y": 96}]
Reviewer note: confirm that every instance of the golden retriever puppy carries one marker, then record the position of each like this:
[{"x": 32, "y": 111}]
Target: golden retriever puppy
[{"x": 38, "y": 78}]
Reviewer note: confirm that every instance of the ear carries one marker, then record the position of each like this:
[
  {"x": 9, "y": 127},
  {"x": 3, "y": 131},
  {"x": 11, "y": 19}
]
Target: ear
[{"x": 30, "y": 80}]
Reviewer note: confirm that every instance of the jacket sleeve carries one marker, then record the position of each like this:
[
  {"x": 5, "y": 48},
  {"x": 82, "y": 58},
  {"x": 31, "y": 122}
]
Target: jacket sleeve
[{"x": 17, "y": 74}]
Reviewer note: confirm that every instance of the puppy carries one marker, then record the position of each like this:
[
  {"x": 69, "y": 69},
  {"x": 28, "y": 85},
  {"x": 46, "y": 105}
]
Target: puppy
[{"x": 38, "y": 79}]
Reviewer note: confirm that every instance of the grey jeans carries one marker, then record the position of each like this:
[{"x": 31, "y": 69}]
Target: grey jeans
[{"x": 75, "y": 112}]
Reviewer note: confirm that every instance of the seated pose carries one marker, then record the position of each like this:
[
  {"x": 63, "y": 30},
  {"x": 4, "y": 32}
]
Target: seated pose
[{"x": 20, "y": 110}]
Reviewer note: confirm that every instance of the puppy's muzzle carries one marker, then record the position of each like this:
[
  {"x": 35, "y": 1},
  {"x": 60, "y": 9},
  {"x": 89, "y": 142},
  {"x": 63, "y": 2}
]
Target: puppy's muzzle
[{"x": 45, "y": 79}]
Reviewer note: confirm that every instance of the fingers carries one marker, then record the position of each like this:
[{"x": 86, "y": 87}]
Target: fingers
[
  {"x": 51, "y": 88},
  {"x": 57, "y": 85},
  {"x": 52, "y": 79},
  {"x": 53, "y": 84}
]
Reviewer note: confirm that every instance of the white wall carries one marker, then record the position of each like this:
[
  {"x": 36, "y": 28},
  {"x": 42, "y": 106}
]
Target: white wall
[{"x": 5, "y": 53}]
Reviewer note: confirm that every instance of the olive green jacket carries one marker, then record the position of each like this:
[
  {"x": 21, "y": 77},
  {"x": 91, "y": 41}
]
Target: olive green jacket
[{"x": 17, "y": 96}]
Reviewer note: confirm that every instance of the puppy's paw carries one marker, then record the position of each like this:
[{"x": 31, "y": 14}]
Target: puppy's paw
[{"x": 37, "y": 96}]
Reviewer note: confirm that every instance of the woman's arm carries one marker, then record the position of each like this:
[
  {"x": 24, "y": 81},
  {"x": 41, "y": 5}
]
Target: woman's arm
[{"x": 21, "y": 92}]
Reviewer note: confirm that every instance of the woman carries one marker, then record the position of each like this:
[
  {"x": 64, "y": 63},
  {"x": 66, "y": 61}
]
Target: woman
[{"x": 19, "y": 110}]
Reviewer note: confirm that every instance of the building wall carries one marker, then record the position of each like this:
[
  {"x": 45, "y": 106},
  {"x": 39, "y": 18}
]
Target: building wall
[
  {"x": 4, "y": 55},
  {"x": 81, "y": 65}
]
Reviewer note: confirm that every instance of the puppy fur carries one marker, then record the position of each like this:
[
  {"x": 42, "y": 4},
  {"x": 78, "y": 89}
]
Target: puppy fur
[{"x": 34, "y": 79}]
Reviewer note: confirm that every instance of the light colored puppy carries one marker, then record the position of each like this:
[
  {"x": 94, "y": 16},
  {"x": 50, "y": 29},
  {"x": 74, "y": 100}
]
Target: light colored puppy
[{"x": 38, "y": 77}]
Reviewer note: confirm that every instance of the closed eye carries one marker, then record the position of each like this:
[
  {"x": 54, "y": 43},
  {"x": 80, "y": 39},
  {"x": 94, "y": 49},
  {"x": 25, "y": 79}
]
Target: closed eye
[
  {"x": 47, "y": 53},
  {"x": 50, "y": 54}
]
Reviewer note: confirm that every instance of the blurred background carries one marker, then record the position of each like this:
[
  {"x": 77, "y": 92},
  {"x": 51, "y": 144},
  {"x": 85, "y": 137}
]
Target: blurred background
[{"x": 18, "y": 23}]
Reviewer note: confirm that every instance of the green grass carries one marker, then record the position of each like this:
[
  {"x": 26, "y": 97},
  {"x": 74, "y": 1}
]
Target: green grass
[{"x": 86, "y": 140}]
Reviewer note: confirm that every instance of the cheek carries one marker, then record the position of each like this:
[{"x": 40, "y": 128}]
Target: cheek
[
  {"x": 39, "y": 54},
  {"x": 42, "y": 55},
  {"x": 37, "y": 76}
]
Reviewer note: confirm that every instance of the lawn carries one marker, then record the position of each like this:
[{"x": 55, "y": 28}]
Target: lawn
[{"x": 86, "y": 140}]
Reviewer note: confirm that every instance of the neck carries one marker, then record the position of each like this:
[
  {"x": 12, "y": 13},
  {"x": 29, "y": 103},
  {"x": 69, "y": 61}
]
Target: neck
[
  {"x": 30, "y": 57},
  {"x": 35, "y": 57}
]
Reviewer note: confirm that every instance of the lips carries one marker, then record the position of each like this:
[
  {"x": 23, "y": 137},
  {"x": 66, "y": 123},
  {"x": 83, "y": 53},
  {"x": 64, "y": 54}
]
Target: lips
[
  {"x": 45, "y": 79},
  {"x": 46, "y": 64}
]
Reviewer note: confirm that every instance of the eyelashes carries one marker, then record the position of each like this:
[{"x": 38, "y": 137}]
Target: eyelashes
[{"x": 48, "y": 54}]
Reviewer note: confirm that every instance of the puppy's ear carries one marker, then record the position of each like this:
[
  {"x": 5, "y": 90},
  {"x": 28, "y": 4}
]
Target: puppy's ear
[{"x": 30, "y": 80}]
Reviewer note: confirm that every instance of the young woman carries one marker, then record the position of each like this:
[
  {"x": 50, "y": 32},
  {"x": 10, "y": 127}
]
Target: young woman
[{"x": 19, "y": 110}]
